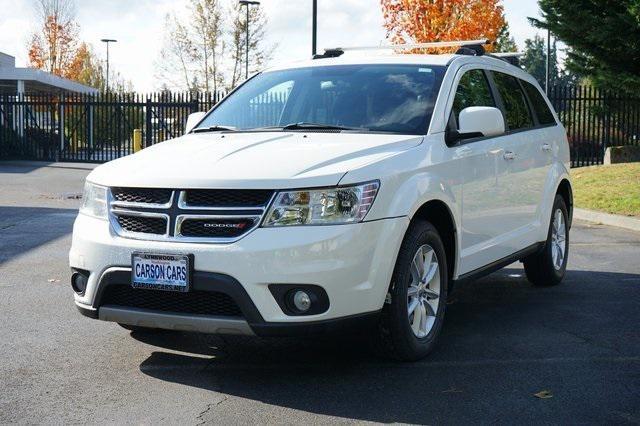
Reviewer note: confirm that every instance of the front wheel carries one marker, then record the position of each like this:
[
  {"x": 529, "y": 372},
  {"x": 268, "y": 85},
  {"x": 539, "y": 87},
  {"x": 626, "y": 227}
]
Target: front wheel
[
  {"x": 547, "y": 267},
  {"x": 413, "y": 313}
]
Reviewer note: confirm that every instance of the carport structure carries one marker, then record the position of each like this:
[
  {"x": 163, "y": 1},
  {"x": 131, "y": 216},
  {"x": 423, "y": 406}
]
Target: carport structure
[{"x": 20, "y": 81}]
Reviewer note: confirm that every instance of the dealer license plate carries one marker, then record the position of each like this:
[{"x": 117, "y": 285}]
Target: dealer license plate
[{"x": 169, "y": 272}]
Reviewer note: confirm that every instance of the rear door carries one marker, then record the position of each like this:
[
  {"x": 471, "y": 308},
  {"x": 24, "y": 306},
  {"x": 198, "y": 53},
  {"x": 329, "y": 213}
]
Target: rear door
[
  {"x": 544, "y": 147},
  {"x": 523, "y": 166}
]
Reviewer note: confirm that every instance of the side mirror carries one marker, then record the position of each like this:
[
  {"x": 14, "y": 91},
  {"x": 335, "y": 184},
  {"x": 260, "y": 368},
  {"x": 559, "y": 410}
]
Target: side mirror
[
  {"x": 474, "y": 122},
  {"x": 192, "y": 120}
]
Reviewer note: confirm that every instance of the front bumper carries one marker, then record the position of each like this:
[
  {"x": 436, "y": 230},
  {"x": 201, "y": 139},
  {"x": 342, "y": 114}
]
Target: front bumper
[{"x": 352, "y": 263}]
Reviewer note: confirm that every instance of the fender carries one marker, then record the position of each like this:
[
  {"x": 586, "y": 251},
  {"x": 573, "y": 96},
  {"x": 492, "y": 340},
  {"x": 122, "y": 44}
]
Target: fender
[
  {"x": 410, "y": 179},
  {"x": 557, "y": 173}
]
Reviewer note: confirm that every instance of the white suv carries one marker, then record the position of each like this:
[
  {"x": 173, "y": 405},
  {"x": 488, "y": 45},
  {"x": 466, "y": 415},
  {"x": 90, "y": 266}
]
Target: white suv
[{"x": 337, "y": 192}]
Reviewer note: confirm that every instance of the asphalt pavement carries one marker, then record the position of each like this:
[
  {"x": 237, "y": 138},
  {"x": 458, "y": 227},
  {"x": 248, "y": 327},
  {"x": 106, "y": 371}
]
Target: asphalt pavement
[{"x": 503, "y": 342}]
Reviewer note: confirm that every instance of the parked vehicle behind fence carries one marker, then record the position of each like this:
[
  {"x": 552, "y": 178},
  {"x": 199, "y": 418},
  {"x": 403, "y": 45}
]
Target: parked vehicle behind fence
[{"x": 341, "y": 192}]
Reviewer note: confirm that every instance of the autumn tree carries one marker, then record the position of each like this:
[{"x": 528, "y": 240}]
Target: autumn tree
[
  {"x": 92, "y": 73},
  {"x": 175, "y": 66},
  {"x": 207, "y": 50},
  {"x": 207, "y": 28},
  {"x": 419, "y": 21},
  {"x": 55, "y": 47},
  {"x": 193, "y": 48},
  {"x": 259, "y": 53}
]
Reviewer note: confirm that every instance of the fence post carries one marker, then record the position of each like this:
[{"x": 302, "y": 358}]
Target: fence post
[
  {"x": 137, "y": 140},
  {"x": 195, "y": 106},
  {"x": 147, "y": 123},
  {"x": 90, "y": 125},
  {"x": 61, "y": 124},
  {"x": 607, "y": 121},
  {"x": 21, "y": 108}
]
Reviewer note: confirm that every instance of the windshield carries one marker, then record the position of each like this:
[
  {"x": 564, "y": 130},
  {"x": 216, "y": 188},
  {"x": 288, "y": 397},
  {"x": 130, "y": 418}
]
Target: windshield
[{"x": 378, "y": 98}]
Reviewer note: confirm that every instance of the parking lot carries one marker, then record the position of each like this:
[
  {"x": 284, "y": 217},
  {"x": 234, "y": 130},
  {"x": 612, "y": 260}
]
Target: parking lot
[{"x": 503, "y": 342}]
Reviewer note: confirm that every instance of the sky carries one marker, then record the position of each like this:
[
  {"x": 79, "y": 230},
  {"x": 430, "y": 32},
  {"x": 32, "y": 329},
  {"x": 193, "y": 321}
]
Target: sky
[{"x": 138, "y": 27}]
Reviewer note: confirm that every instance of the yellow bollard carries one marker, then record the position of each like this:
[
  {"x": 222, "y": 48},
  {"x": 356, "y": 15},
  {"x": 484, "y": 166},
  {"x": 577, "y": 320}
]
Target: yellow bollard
[{"x": 137, "y": 140}]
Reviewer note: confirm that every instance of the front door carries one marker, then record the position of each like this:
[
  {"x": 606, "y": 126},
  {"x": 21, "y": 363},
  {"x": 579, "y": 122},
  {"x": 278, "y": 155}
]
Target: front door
[{"x": 482, "y": 171}]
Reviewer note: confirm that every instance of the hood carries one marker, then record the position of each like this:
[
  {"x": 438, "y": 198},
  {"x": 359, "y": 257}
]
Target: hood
[{"x": 272, "y": 160}]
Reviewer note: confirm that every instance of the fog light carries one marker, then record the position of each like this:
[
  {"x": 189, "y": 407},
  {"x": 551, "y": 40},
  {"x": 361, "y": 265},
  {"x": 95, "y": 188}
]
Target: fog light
[
  {"x": 301, "y": 301},
  {"x": 79, "y": 281}
]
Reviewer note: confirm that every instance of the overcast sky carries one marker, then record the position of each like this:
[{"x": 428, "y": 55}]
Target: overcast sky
[{"x": 138, "y": 27}]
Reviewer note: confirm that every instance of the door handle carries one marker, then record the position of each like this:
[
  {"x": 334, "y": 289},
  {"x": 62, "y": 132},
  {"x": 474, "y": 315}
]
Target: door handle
[
  {"x": 546, "y": 147},
  {"x": 508, "y": 155}
]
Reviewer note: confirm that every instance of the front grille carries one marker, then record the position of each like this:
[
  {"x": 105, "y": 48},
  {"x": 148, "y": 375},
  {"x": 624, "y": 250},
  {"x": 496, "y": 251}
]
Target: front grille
[
  {"x": 143, "y": 224},
  {"x": 141, "y": 195},
  {"x": 227, "y": 197},
  {"x": 187, "y": 215},
  {"x": 193, "y": 302},
  {"x": 215, "y": 228}
]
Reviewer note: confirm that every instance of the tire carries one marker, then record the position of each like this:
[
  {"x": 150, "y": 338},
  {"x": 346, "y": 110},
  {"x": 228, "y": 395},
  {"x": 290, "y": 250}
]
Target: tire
[
  {"x": 397, "y": 336},
  {"x": 544, "y": 268}
]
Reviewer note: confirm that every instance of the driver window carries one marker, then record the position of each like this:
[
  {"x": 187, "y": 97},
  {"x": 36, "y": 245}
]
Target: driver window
[{"x": 473, "y": 90}]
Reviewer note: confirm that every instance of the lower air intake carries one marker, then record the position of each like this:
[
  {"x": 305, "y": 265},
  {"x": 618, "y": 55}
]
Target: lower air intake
[{"x": 193, "y": 302}]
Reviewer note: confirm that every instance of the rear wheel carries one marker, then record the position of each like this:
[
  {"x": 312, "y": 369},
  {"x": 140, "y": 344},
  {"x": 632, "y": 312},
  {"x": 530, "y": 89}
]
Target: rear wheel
[
  {"x": 547, "y": 267},
  {"x": 413, "y": 314}
]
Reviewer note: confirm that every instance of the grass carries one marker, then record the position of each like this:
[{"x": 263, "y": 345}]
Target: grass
[{"x": 611, "y": 189}]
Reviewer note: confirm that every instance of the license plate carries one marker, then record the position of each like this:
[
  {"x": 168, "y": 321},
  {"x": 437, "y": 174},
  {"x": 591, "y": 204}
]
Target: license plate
[{"x": 169, "y": 272}]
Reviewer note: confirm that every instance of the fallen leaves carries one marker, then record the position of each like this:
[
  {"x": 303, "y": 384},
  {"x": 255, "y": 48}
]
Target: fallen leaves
[{"x": 543, "y": 394}]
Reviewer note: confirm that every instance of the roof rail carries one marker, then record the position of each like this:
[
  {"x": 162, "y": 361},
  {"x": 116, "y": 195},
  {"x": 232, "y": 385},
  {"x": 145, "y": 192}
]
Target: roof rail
[
  {"x": 512, "y": 58},
  {"x": 474, "y": 45}
]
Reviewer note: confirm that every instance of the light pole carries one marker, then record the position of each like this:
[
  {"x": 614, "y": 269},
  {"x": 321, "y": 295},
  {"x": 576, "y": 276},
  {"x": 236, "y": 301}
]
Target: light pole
[
  {"x": 247, "y": 3},
  {"x": 107, "y": 41},
  {"x": 547, "y": 74},
  {"x": 314, "y": 27}
]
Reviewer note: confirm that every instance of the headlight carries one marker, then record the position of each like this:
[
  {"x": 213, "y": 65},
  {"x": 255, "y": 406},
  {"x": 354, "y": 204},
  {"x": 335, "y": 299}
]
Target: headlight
[
  {"x": 327, "y": 206},
  {"x": 94, "y": 201}
]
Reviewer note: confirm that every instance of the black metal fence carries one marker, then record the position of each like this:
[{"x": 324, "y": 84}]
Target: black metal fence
[
  {"x": 596, "y": 119},
  {"x": 92, "y": 128},
  {"x": 99, "y": 128}
]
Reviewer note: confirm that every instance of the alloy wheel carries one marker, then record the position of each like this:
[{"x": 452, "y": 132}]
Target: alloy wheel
[
  {"x": 558, "y": 239},
  {"x": 423, "y": 293}
]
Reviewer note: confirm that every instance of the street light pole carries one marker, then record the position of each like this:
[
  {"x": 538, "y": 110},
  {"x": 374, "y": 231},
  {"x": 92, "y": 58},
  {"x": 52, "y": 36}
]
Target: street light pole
[
  {"x": 314, "y": 27},
  {"x": 107, "y": 41},
  {"x": 547, "y": 73},
  {"x": 247, "y": 3}
]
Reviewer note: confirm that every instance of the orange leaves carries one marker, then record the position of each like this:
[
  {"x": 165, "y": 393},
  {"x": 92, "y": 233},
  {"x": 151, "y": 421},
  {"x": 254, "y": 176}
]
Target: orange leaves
[
  {"x": 421, "y": 21},
  {"x": 55, "y": 48}
]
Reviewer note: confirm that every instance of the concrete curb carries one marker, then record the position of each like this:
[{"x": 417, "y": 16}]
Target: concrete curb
[{"x": 626, "y": 222}]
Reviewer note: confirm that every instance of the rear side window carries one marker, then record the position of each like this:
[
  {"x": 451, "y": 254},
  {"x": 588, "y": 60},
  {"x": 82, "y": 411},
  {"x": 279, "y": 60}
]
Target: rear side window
[
  {"x": 517, "y": 111},
  {"x": 473, "y": 90},
  {"x": 545, "y": 116}
]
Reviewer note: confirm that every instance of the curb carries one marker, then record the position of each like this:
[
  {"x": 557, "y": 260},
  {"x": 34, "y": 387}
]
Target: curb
[{"x": 626, "y": 222}]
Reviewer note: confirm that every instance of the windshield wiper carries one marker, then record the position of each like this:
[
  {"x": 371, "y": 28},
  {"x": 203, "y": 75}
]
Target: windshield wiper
[
  {"x": 316, "y": 126},
  {"x": 215, "y": 129}
]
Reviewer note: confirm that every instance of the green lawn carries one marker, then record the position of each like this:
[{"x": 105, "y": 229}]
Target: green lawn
[{"x": 611, "y": 189}]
